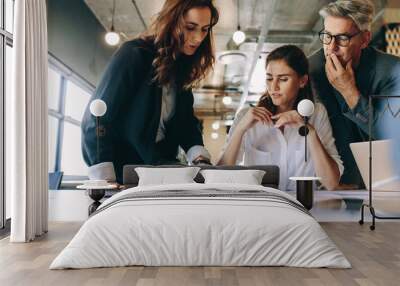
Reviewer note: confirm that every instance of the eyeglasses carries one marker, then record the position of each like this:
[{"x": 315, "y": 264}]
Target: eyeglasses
[{"x": 342, "y": 40}]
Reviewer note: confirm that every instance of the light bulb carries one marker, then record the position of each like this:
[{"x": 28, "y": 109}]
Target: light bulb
[
  {"x": 214, "y": 135},
  {"x": 215, "y": 125},
  {"x": 305, "y": 107},
  {"x": 239, "y": 37},
  {"x": 227, "y": 100},
  {"x": 98, "y": 107},
  {"x": 112, "y": 38}
]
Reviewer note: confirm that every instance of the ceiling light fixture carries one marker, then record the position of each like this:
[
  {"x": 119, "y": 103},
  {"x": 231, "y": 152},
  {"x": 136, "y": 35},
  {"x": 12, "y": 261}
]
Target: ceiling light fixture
[
  {"x": 239, "y": 36},
  {"x": 112, "y": 38},
  {"x": 231, "y": 57},
  {"x": 215, "y": 125},
  {"x": 227, "y": 100},
  {"x": 214, "y": 135}
]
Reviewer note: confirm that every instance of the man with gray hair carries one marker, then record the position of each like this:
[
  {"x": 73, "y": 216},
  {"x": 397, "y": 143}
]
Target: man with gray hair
[{"x": 346, "y": 71}]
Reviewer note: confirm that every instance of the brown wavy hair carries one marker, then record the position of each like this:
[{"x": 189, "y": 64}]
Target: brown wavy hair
[
  {"x": 297, "y": 61},
  {"x": 166, "y": 32}
]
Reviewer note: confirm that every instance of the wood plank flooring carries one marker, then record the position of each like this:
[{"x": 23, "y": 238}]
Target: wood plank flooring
[{"x": 374, "y": 255}]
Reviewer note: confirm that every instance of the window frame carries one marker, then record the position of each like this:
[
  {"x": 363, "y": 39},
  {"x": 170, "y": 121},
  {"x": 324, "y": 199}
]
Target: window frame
[
  {"x": 66, "y": 75},
  {"x": 6, "y": 39}
]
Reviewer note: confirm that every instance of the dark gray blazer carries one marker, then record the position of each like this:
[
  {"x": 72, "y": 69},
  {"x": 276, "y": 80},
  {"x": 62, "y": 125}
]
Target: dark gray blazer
[
  {"x": 133, "y": 113},
  {"x": 377, "y": 74}
]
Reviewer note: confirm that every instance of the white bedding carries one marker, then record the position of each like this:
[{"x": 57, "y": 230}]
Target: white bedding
[{"x": 184, "y": 231}]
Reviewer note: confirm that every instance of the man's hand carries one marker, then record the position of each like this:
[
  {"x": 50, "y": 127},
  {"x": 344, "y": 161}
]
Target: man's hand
[{"x": 342, "y": 79}]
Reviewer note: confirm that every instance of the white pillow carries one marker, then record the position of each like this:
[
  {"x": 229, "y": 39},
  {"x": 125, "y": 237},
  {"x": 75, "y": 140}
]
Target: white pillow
[
  {"x": 164, "y": 176},
  {"x": 248, "y": 177}
]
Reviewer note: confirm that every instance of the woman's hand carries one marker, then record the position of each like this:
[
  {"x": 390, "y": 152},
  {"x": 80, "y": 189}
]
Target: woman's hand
[
  {"x": 201, "y": 160},
  {"x": 291, "y": 118},
  {"x": 245, "y": 120},
  {"x": 115, "y": 185},
  {"x": 254, "y": 115}
]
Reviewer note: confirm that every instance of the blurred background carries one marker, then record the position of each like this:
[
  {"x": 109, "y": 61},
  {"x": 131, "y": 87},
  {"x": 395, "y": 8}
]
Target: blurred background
[{"x": 78, "y": 54}]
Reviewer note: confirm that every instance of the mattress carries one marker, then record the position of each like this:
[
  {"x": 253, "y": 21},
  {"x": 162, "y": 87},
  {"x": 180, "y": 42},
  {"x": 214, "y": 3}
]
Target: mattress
[{"x": 201, "y": 225}]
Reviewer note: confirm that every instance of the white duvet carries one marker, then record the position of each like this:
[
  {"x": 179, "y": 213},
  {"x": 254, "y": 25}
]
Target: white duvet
[{"x": 200, "y": 231}]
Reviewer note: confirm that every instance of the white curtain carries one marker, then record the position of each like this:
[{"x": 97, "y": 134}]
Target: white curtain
[{"x": 28, "y": 123}]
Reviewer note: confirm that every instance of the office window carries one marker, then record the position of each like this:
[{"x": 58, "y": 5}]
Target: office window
[
  {"x": 54, "y": 85},
  {"x": 6, "y": 69},
  {"x": 68, "y": 96},
  {"x": 8, "y": 86},
  {"x": 9, "y": 68},
  {"x": 76, "y": 100},
  {"x": 52, "y": 129},
  {"x": 9, "y": 14},
  {"x": 54, "y": 81},
  {"x": 72, "y": 162},
  {"x": 8, "y": 79}
]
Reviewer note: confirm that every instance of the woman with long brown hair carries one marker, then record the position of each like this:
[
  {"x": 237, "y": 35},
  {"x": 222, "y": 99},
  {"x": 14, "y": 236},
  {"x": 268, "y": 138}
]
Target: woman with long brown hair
[
  {"x": 147, "y": 89},
  {"x": 268, "y": 133}
]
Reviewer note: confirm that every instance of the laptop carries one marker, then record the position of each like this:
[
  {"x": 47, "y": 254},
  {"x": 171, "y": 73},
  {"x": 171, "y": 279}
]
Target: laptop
[{"x": 384, "y": 177}]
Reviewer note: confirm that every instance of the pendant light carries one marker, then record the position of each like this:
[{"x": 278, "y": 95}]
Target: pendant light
[
  {"x": 227, "y": 100},
  {"x": 239, "y": 36},
  {"x": 112, "y": 38}
]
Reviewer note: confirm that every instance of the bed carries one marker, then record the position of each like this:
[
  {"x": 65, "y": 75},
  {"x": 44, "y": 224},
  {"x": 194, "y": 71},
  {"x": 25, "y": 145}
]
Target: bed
[{"x": 201, "y": 224}]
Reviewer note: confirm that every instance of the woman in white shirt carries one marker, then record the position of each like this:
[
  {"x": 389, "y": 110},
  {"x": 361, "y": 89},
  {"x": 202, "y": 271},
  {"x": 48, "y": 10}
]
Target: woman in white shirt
[{"x": 268, "y": 134}]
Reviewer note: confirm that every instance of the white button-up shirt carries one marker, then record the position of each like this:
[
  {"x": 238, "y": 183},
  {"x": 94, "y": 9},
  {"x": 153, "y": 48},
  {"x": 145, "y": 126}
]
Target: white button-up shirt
[
  {"x": 168, "y": 102},
  {"x": 267, "y": 145}
]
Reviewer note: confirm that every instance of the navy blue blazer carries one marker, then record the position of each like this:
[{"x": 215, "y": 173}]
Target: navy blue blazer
[
  {"x": 377, "y": 74},
  {"x": 130, "y": 125}
]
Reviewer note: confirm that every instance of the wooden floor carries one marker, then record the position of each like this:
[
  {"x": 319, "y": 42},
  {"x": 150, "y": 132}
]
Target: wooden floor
[{"x": 374, "y": 255}]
